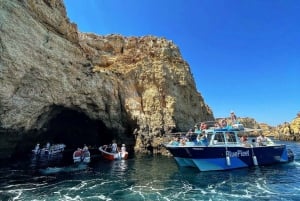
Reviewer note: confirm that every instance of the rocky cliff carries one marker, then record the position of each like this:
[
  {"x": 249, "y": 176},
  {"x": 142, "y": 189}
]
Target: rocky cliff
[
  {"x": 132, "y": 89},
  {"x": 288, "y": 130},
  {"x": 285, "y": 131}
]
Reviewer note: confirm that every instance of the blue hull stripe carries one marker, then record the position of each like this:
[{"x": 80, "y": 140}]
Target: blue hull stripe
[
  {"x": 214, "y": 158},
  {"x": 210, "y": 164}
]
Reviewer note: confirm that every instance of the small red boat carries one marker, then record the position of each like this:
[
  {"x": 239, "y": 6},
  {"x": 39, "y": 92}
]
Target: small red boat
[{"x": 119, "y": 155}]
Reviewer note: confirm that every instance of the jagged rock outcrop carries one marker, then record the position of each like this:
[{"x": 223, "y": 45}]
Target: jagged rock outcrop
[
  {"x": 140, "y": 86},
  {"x": 285, "y": 131},
  {"x": 289, "y": 130},
  {"x": 266, "y": 129}
]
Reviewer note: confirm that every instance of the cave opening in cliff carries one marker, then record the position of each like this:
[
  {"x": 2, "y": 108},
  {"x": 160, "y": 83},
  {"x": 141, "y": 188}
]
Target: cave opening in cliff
[{"x": 74, "y": 128}]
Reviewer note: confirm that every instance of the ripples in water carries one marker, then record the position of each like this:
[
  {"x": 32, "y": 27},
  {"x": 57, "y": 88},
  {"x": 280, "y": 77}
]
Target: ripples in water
[{"x": 148, "y": 178}]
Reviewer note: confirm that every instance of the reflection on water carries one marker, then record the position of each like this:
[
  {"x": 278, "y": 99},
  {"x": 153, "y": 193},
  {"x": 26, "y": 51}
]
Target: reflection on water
[
  {"x": 46, "y": 160},
  {"x": 146, "y": 178}
]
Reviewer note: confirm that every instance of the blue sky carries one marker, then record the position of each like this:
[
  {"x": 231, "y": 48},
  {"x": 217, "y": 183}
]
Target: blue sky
[{"x": 244, "y": 54}]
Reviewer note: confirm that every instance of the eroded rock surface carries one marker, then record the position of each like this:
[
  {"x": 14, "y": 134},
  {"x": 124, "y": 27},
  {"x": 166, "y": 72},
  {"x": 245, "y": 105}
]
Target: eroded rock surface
[{"x": 138, "y": 87}]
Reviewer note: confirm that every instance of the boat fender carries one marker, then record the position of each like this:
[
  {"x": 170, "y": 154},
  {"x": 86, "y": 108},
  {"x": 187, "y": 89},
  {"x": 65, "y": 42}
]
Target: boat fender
[
  {"x": 253, "y": 156},
  {"x": 255, "y": 160},
  {"x": 228, "y": 162}
]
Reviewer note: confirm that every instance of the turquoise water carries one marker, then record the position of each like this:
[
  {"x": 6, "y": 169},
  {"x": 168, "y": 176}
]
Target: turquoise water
[{"x": 145, "y": 177}]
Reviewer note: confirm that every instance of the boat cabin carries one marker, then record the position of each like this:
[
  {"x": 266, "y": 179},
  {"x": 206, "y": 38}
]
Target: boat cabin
[{"x": 222, "y": 137}]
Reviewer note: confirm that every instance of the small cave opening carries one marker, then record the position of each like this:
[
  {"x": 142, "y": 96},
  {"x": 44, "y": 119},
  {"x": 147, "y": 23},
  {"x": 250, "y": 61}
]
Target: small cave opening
[{"x": 74, "y": 129}]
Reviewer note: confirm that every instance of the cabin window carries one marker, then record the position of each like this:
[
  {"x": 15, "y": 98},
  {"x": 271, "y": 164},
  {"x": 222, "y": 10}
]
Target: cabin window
[
  {"x": 230, "y": 137},
  {"x": 219, "y": 137},
  {"x": 209, "y": 136}
]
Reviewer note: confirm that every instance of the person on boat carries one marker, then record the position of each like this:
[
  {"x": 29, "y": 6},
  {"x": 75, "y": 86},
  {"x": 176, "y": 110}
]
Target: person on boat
[
  {"x": 261, "y": 140},
  {"x": 201, "y": 139},
  {"x": 189, "y": 135},
  {"x": 203, "y": 126},
  {"x": 85, "y": 148},
  {"x": 244, "y": 140},
  {"x": 217, "y": 125},
  {"x": 198, "y": 139},
  {"x": 37, "y": 148},
  {"x": 233, "y": 118},
  {"x": 224, "y": 123},
  {"x": 85, "y": 153},
  {"x": 174, "y": 141},
  {"x": 114, "y": 147},
  {"x": 197, "y": 129},
  {"x": 182, "y": 142},
  {"x": 123, "y": 150},
  {"x": 77, "y": 153},
  {"x": 48, "y": 145}
]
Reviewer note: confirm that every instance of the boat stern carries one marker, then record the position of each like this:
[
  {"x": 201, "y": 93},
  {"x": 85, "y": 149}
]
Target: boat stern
[{"x": 290, "y": 155}]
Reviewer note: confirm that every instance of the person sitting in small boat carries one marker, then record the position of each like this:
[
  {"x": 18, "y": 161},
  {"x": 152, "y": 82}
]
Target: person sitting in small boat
[
  {"x": 37, "y": 148},
  {"x": 85, "y": 148},
  {"x": 123, "y": 150},
  {"x": 85, "y": 152},
  {"x": 78, "y": 153},
  {"x": 114, "y": 147},
  {"x": 48, "y": 145}
]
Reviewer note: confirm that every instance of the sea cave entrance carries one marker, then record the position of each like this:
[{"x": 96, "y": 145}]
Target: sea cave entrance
[{"x": 73, "y": 128}]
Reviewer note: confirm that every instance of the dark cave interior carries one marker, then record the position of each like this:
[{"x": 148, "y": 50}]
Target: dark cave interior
[
  {"x": 70, "y": 126},
  {"x": 75, "y": 129}
]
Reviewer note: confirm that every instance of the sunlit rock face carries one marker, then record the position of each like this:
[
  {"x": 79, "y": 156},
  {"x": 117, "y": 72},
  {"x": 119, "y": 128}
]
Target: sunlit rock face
[
  {"x": 136, "y": 88},
  {"x": 289, "y": 130}
]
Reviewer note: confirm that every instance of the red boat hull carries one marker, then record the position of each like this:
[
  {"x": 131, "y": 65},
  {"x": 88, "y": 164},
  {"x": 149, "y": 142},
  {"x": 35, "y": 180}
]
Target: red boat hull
[{"x": 113, "y": 156}]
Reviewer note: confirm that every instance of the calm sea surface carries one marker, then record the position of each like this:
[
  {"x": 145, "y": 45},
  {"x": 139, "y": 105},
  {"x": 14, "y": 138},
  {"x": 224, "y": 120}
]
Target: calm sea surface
[{"x": 145, "y": 177}]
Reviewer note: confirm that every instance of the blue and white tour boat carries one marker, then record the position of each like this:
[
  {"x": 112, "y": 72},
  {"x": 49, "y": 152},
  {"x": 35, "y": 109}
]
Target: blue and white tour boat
[{"x": 213, "y": 148}]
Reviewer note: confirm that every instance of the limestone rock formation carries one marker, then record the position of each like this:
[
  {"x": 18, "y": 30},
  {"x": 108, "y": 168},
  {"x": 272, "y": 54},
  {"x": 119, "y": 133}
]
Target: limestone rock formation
[
  {"x": 267, "y": 130},
  {"x": 289, "y": 130},
  {"x": 133, "y": 89}
]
